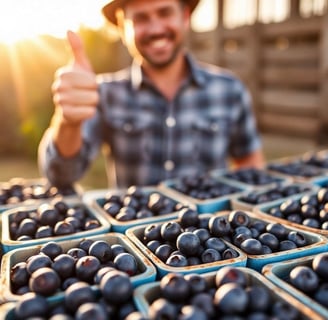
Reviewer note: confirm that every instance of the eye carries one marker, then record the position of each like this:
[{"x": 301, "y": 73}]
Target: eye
[{"x": 140, "y": 18}]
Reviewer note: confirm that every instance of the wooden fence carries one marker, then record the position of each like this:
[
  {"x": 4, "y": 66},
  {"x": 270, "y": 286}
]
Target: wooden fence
[{"x": 284, "y": 64}]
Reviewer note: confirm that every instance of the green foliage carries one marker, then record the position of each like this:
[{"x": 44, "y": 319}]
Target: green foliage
[{"x": 26, "y": 75}]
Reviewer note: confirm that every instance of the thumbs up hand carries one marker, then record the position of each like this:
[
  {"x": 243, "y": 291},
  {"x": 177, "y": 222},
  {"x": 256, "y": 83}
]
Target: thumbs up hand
[{"x": 75, "y": 90}]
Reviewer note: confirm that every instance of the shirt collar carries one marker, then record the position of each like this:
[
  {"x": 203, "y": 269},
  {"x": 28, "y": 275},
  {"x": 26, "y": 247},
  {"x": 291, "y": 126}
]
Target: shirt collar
[{"x": 138, "y": 77}]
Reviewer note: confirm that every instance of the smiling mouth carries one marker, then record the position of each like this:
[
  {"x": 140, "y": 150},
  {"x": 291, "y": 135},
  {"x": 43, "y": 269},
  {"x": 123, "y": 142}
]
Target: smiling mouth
[{"x": 158, "y": 43}]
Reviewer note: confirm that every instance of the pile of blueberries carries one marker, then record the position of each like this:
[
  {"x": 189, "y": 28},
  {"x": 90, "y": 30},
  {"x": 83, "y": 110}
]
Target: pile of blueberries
[
  {"x": 230, "y": 294},
  {"x": 203, "y": 186},
  {"x": 54, "y": 218},
  {"x": 317, "y": 159},
  {"x": 53, "y": 270},
  {"x": 137, "y": 203},
  {"x": 195, "y": 240},
  {"x": 253, "y": 177},
  {"x": 310, "y": 210},
  {"x": 112, "y": 300},
  {"x": 312, "y": 279},
  {"x": 296, "y": 168},
  {"x": 275, "y": 193},
  {"x": 18, "y": 190}
]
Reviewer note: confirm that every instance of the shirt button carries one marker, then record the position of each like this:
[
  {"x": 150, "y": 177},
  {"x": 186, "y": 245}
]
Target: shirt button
[
  {"x": 215, "y": 127},
  {"x": 170, "y": 122},
  {"x": 127, "y": 127},
  {"x": 169, "y": 165}
]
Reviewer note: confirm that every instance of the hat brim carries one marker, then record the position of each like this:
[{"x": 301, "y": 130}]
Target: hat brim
[{"x": 109, "y": 10}]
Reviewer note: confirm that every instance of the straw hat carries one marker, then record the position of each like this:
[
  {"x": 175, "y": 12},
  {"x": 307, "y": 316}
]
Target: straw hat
[{"x": 109, "y": 9}]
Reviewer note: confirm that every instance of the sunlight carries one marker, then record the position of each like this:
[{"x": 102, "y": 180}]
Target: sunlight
[{"x": 21, "y": 19}]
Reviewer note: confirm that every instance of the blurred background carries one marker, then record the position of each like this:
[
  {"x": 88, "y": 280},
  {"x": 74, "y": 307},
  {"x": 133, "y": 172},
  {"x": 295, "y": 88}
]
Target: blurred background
[{"x": 278, "y": 47}]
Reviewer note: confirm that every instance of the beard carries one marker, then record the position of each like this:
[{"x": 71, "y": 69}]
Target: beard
[{"x": 157, "y": 60}]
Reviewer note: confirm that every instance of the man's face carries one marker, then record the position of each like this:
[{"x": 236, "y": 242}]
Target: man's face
[{"x": 154, "y": 30}]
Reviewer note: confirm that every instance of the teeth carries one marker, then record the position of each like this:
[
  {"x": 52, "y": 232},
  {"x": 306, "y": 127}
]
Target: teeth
[{"x": 159, "y": 43}]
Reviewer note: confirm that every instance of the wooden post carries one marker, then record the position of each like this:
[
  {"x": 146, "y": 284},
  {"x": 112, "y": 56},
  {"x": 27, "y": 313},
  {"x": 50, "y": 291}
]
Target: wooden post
[
  {"x": 323, "y": 100},
  {"x": 252, "y": 60},
  {"x": 294, "y": 9},
  {"x": 218, "y": 34}
]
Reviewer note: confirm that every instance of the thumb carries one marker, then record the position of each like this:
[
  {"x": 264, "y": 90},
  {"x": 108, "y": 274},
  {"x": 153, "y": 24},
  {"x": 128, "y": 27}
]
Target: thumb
[{"x": 80, "y": 57}]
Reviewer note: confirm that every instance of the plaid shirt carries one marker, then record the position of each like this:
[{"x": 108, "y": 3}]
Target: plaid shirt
[{"x": 153, "y": 139}]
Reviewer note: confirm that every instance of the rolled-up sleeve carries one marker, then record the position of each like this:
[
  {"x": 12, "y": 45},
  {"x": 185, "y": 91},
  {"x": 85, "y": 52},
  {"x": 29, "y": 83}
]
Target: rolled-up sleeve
[{"x": 62, "y": 171}]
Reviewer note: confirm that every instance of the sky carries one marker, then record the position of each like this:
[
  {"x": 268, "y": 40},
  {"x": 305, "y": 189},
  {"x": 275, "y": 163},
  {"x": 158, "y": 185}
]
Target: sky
[{"x": 24, "y": 19}]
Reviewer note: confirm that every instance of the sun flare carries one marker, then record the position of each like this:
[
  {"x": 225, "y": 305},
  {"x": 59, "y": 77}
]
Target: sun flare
[{"x": 22, "y": 19}]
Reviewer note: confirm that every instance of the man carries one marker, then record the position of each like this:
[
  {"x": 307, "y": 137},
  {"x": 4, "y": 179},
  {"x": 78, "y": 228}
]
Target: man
[{"x": 163, "y": 117}]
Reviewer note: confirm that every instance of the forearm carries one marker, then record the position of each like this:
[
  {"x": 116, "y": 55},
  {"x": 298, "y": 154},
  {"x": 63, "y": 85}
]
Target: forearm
[
  {"x": 67, "y": 137},
  {"x": 255, "y": 159},
  {"x": 58, "y": 170}
]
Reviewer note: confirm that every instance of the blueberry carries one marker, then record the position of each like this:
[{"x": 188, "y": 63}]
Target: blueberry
[
  {"x": 188, "y": 217},
  {"x": 188, "y": 243},
  {"x": 152, "y": 232},
  {"x": 177, "y": 260},
  {"x": 175, "y": 287},
  {"x": 215, "y": 243},
  {"x": 230, "y": 274},
  {"x": 191, "y": 312},
  {"x": 170, "y": 230},
  {"x": 321, "y": 295},
  {"x": 44, "y": 281},
  {"x": 252, "y": 246},
  {"x": 162, "y": 309},
  {"x": 86, "y": 267},
  {"x": 304, "y": 279},
  {"x": 269, "y": 240},
  {"x": 47, "y": 214},
  {"x": 101, "y": 250},
  {"x": 219, "y": 226},
  {"x": 259, "y": 298},
  {"x": 127, "y": 263},
  {"x": 226, "y": 297},
  {"x": 116, "y": 287},
  {"x": 277, "y": 229},
  {"x": 90, "y": 310},
  {"x": 238, "y": 218},
  {"x": 197, "y": 282},
  {"x": 210, "y": 255},
  {"x": 287, "y": 245},
  {"x": 100, "y": 273},
  {"x": 203, "y": 234},
  {"x": 164, "y": 251},
  {"x": 19, "y": 275},
  {"x": 298, "y": 238},
  {"x": 36, "y": 262},
  {"x": 283, "y": 310},
  {"x": 204, "y": 301},
  {"x": 64, "y": 265},
  {"x": 320, "y": 265},
  {"x": 77, "y": 294},
  {"x": 230, "y": 253},
  {"x": 31, "y": 305}
]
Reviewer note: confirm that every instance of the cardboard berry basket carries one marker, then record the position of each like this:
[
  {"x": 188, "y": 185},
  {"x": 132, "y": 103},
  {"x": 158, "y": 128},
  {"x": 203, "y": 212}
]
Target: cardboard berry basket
[
  {"x": 278, "y": 273},
  {"x": 264, "y": 209},
  {"x": 211, "y": 203},
  {"x": 264, "y": 195},
  {"x": 297, "y": 170},
  {"x": 317, "y": 158},
  {"x": 146, "y": 294},
  {"x": 97, "y": 198},
  {"x": 316, "y": 243},
  {"x": 252, "y": 178},
  {"x": 21, "y": 191},
  {"x": 146, "y": 270},
  {"x": 135, "y": 234},
  {"x": 9, "y": 243}
]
